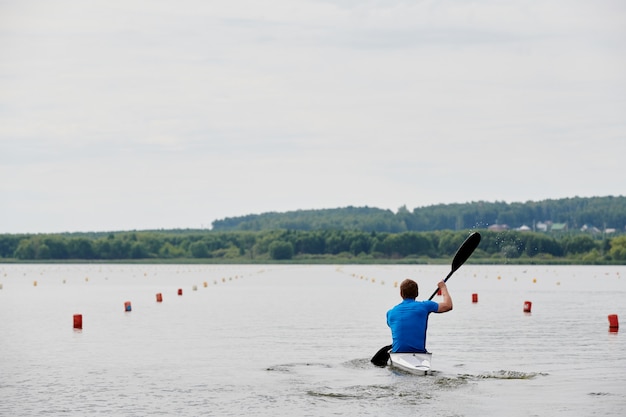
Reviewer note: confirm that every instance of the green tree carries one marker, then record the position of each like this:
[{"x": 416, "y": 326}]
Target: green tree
[
  {"x": 336, "y": 243},
  {"x": 408, "y": 243},
  {"x": 138, "y": 251},
  {"x": 26, "y": 249},
  {"x": 43, "y": 251},
  {"x": 170, "y": 251},
  {"x": 281, "y": 250},
  {"x": 360, "y": 243},
  {"x": 103, "y": 249},
  {"x": 537, "y": 243},
  {"x": 618, "y": 248},
  {"x": 57, "y": 248},
  {"x": 449, "y": 242},
  {"x": 312, "y": 243},
  {"x": 579, "y": 244},
  {"x": 80, "y": 248},
  {"x": 8, "y": 245},
  {"x": 199, "y": 250}
]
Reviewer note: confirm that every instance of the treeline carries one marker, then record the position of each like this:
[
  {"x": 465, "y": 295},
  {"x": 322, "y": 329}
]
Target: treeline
[
  {"x": 594, "y": 212},
  {"x": 328, "y": 245}
]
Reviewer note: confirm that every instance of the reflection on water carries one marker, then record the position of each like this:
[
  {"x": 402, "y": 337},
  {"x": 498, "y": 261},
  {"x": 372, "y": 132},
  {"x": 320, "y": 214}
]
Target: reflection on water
[{"x": 296, "y": 340}]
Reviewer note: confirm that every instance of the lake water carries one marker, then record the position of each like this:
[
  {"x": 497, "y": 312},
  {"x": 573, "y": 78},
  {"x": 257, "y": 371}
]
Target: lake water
[{"x": 267, "y": 340}]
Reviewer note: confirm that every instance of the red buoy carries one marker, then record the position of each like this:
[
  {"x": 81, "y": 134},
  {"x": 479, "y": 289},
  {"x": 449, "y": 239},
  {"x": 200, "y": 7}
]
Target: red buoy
[
  {"x": 159, "y": 297},
  {"x": 78, "y": 321},
  {"x": 127, "y": 306},
  {"x": 180, "y": 291},
  {"x": 613, "y": 323},
  {"x": 527, "y": 306},
  {"x": 474, "y": 298}
]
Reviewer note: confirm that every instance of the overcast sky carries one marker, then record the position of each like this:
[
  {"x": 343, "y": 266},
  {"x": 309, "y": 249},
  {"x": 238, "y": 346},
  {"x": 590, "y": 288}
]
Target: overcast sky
[{"x": 137, "y": 114}]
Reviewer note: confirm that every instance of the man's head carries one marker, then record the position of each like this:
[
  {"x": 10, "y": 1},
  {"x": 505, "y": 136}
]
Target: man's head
[{"x": 408, "y": 289}]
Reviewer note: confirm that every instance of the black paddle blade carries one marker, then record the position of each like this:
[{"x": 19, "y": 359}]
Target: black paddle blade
[
  {"x": 381, "y": 357},
  {"x": 462, "y": 254},
  {"x": 465, "y": 250}
]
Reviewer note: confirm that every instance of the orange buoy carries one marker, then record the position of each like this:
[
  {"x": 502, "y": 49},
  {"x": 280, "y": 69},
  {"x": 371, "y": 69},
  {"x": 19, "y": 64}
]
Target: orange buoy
[
  {"x": 180, "y": 291},
  {"x": 613, "y": 323},
  {"x": 127, "y": 306},
  {"x": 474, "y": 298},
  {"x": 78, "y": 321},
  {"x": 159, "y": 297},
  {"x": 34, "y": 283},
  {"x": 527, "y": 306},
  {"x": 205, "y": 284}
]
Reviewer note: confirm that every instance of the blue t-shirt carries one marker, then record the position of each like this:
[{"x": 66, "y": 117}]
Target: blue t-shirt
[{"x": 408, "y": 322}]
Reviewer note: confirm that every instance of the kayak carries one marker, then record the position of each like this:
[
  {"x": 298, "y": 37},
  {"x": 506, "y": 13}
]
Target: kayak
[{"x": 415, "y": 363}]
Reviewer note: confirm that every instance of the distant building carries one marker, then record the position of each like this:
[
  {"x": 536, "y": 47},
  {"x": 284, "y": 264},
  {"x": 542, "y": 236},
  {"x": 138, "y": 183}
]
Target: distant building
[
  {"x": 590, "y": 229},
  {"x": 498, "y": 227},
  {"x": 558, "y": 227},
  {"x": 524, "y": 228}
]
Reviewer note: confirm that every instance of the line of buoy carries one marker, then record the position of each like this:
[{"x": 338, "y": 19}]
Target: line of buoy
[{"x": 78, "y": 318}]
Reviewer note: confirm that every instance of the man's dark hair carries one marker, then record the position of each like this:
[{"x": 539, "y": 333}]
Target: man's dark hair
[{"x": 409, "y": 289}]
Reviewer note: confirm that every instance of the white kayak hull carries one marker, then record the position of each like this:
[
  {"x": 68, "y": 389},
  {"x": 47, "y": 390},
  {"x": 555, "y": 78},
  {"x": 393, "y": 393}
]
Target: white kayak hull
[{"x": 415, "y": 363}]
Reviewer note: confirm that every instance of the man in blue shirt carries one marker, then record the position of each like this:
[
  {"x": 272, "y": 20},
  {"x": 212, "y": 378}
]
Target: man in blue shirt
[{"x": 409, "y": 319}]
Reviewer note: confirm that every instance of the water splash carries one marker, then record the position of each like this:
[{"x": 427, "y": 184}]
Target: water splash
[
  {"x": 291, "y": 367},
  {"x": 502, "y": 374}
]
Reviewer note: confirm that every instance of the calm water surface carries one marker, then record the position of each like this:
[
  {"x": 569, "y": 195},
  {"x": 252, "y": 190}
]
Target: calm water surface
[{"x": 296, "y": 341}]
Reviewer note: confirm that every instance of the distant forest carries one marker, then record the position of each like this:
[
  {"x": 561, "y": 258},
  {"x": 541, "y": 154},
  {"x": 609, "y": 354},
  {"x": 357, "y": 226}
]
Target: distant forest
[
  {"x": 593, "y": 214},
  {"x": 576, "y": 230}
]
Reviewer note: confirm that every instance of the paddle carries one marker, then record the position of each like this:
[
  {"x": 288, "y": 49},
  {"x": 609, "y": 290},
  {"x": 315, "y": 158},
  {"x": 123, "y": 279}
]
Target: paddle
[{"x": 462, "y": 254}]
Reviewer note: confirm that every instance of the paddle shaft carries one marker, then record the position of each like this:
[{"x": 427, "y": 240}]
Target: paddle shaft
[{"x": 437, "y": 290}]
